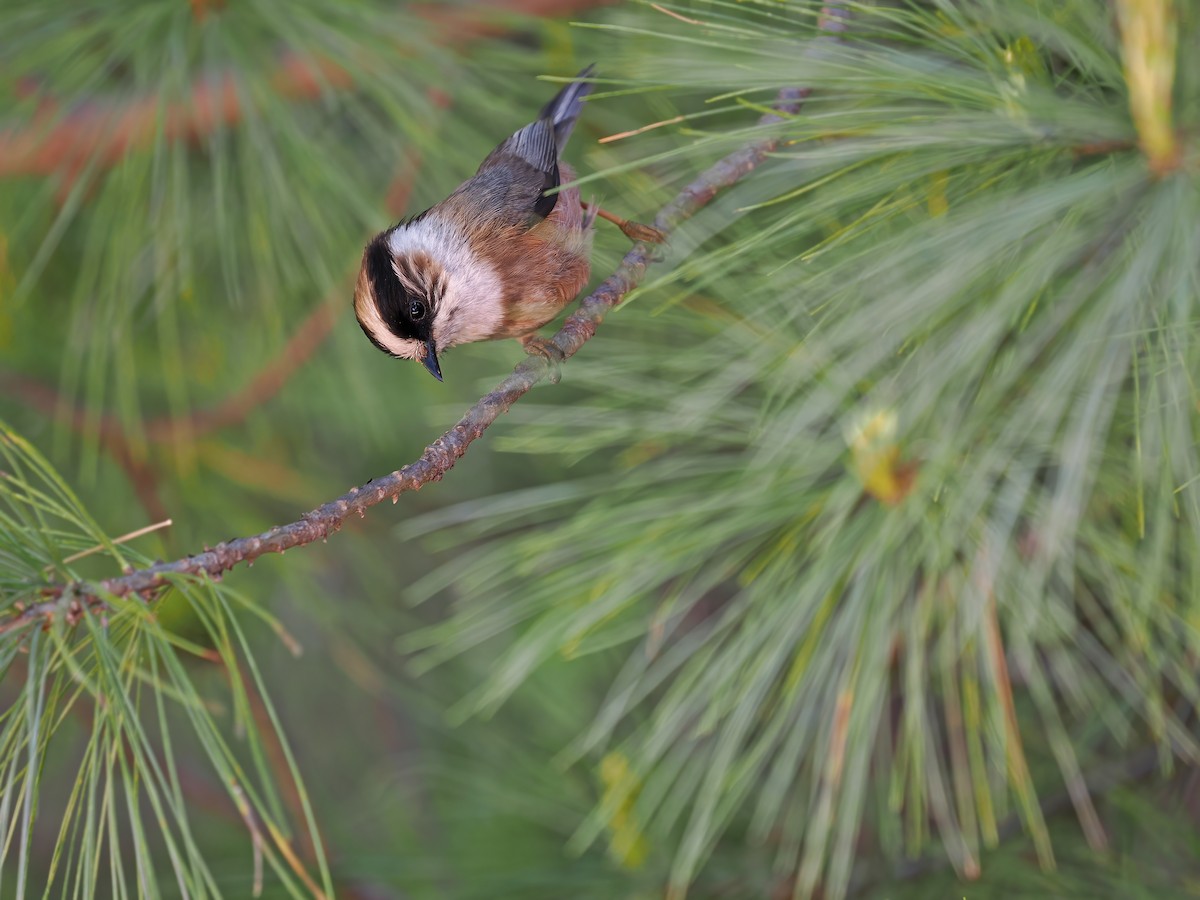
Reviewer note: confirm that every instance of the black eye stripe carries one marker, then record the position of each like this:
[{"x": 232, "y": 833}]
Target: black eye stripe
[
  {"x": 394, "y": 302},
  {"x": 389, "y": 292}
]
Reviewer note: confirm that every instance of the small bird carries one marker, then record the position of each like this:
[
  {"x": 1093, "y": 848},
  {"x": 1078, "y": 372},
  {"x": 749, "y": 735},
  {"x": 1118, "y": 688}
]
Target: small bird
[{"x": 498, "y": 258}]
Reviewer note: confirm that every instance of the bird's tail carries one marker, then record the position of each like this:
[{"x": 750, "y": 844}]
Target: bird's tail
[{"x": 566, "y": 106}]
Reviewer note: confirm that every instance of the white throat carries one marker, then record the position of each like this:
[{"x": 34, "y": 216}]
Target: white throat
[{"x": 471, "y": 309}]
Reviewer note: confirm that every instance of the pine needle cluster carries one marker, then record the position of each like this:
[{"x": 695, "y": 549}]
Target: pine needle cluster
[{"x": 855, "y": 557}]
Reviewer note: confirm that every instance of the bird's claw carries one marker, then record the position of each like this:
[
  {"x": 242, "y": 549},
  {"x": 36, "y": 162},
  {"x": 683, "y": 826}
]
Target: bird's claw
[
  {"x": 535, "y": 345},
  {"x": 647, "y": 234}
]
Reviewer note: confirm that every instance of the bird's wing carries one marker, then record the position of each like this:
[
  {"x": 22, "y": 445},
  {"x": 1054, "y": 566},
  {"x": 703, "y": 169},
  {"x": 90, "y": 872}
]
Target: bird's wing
[
  {"x": 530, "y": 159},
  {"x": 524, "y": 168}
]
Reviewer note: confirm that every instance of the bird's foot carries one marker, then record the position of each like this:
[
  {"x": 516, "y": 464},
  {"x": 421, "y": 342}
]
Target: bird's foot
[
  {"x": 536, "y": 345},
  {"x": 647, "y": 234},
  {"x": 635, "y": 231}
]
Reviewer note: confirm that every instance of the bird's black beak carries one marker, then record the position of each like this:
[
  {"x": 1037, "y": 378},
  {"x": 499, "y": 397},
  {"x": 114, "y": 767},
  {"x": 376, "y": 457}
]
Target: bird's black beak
[{"x": 430, "y": 360}]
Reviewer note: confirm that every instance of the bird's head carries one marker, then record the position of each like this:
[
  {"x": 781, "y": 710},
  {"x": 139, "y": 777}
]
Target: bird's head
[{"x": 396, "y": 301}]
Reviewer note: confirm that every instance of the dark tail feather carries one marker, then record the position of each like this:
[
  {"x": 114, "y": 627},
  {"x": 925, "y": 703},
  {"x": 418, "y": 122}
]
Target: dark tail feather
[{"x": 566, "y": 106}]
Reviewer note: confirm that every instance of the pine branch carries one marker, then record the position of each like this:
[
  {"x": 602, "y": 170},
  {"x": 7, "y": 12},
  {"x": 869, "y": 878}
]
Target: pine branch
[{"x": 71, "y": 600}]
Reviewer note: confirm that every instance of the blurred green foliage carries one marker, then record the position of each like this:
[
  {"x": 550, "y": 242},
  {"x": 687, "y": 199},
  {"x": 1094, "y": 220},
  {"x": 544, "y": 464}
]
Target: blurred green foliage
[{"x": 864, "y": 533}]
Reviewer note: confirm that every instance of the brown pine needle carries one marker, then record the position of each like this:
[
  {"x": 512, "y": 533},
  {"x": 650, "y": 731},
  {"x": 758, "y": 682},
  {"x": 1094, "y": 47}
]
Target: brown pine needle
[
  {"x": 256, "y": 838},
  {"x": 675, "y": 15},
  {"x": 165, "y": 523},
  {"x": 1018, "y": 767},
  {"x": 293, "y": 861},
  {"x": 650, "y": 127}
]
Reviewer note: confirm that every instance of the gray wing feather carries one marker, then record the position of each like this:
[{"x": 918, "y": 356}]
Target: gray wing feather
[
  {"x": 538, "y": 144},
  {"x": 535, "y": 144},
  {"x": 564, "y": 108}
]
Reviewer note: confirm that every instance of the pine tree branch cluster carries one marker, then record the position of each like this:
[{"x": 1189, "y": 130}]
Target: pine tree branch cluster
[{"x": 72, "y": 600}]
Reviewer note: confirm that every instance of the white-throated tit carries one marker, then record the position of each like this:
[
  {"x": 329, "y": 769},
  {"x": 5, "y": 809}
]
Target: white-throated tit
[{"x": 498, "y": 258}]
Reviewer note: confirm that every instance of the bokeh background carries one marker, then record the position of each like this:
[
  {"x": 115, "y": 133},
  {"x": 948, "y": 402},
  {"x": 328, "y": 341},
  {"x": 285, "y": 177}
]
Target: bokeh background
[{"x": 856, "y": 555}]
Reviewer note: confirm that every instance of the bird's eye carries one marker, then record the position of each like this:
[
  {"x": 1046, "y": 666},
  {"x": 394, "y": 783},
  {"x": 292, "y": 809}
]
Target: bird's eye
[{"x": 416, "y": 310}]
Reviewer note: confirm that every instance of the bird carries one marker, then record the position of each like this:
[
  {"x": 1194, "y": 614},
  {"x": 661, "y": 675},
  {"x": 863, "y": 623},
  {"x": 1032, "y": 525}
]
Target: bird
[{"x": 499, "y": 258}]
